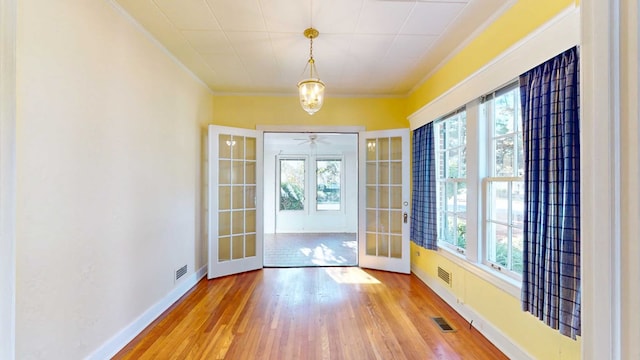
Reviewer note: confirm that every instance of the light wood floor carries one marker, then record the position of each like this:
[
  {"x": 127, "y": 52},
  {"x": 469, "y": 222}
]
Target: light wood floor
[{"x": 310, "y": 313}]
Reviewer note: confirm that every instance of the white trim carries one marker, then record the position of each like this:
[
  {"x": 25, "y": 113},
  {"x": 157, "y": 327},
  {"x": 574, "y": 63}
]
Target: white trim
[
  {"x": 310, "y": 129},
  {"x": 630, "y": 222},
  {"x": 600, "y": 148},
  {"x": 492, "y": 333},
  {"x": 8, "y": 19},
  {"x": 343, "y": 180},
  {"x": 124, "y": 336},
  {"x": 157, "y": 43},
  {"x": 489, "y": 21},
  {"x": 474, "y": 173},
  {"x": 294, "y": 93},
  {"x": 503, "y": 282},
  {"x": 560, "y": 33},
  {"x": 307, "y": 186}
]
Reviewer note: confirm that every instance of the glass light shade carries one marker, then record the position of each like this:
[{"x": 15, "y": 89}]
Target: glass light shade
[{"x": 311, "y": 95}]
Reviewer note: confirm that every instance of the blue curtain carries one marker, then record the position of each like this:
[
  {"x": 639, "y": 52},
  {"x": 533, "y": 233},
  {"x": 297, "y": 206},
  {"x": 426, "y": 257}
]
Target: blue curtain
[
  {"x": 423, "y": 203},
  {"x": 550, "y": 109}
]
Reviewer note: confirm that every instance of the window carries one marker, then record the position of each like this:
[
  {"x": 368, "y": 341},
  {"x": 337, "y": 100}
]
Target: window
[
  {"x": 504, "y": 188},
  {"x": 292, "y": 179},
  {"x": 486, "y": 227},
  {"x": 451, "y": 186},
  {"x": 328, "y": 173}
]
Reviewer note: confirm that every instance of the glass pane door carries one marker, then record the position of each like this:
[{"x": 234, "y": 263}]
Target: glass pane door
[
  {"x": 235, "y": 239},
  {"x": 386, "y": 200}
]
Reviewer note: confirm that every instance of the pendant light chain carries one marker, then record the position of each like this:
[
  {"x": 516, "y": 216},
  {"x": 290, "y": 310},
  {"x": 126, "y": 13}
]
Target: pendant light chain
[{"x": 311, "y": 61}]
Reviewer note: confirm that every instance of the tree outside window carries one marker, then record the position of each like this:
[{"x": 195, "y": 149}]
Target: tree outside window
[
  {"x": 292, "y": 178},
  {"x": 328, "y": 194},
  {"x": 505, "y": 185},
  {"x": 451, "y": 186}
]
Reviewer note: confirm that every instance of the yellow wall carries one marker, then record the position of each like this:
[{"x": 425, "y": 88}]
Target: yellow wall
[
  {"x": 499, "y": 308},
  {"x": 494, "y": 305},
  {"x": 517, "y": 22},
  {"x": 249, "y": 111}
]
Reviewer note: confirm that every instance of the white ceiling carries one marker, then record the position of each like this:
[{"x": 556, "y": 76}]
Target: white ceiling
[{"x": 365, "y": 47}]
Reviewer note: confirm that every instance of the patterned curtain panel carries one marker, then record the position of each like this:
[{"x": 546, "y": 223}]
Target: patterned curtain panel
[
  {"x": 423, "y": 203},
  {"x": 551, "y": 276}
]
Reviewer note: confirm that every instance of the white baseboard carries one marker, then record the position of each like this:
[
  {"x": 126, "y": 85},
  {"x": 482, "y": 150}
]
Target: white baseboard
[
  {"x": 493, "y": 334},
  {"x": 122, "y": 338}
]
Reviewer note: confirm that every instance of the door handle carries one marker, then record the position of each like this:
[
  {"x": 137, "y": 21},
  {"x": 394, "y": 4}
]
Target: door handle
[{"x": 404, "y": 217}]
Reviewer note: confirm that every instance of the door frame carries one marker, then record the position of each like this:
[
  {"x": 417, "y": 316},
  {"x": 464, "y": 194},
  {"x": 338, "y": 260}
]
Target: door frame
[{"x": 359, "y": 130}]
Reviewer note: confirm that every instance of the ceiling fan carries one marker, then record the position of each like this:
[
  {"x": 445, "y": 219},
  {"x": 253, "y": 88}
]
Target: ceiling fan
[{"x": 313, "y": 139}]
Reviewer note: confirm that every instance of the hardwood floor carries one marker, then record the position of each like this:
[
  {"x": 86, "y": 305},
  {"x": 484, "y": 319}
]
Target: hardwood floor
[{"x": 310, "y": 313}]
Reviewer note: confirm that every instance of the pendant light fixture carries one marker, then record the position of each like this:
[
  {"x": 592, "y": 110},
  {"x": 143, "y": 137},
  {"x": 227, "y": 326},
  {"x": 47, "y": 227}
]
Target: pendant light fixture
[{"x": 311, "y": 90}]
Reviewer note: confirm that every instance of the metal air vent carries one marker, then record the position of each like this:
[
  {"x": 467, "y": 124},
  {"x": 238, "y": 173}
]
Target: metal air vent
[
  {"x": 444, "y": 275},
  {"x": 443, "y": 324},
  {"x": 180, "y": 272}
]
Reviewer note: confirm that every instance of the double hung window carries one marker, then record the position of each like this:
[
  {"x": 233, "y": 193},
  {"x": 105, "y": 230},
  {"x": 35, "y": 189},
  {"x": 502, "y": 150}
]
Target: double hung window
[
  {"x": 328, "y": 179},
  {"x": 292, "y": 183},
  {"x": 495, "y": 181},
  {"x": 451, "y": 186},
  {"x": 504, "y": 187}
]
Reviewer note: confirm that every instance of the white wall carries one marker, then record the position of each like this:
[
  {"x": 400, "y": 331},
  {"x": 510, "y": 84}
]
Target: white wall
[
  {"x": 108, "y": 144},
  {"x": 310, "y": 220},
  {"x": 7, "y": 177}
]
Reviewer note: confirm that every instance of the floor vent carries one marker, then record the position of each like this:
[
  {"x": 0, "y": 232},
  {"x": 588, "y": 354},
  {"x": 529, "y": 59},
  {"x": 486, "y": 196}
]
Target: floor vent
[
  {"x": 444, "y": 275},
  {"x": 180, "y": 272},
  {"x": 443, "y": 324}
]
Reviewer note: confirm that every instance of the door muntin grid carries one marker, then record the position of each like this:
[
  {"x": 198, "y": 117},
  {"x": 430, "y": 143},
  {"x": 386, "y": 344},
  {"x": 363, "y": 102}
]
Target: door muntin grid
[
  {"x": 383, "y": 201},
  {"x": 236, "y": 197}
]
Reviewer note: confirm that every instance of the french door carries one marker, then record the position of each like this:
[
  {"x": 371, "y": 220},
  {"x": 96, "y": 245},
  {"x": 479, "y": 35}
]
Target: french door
[
  {"x": 384, "y": 200},
  {"x": 235, "y": 210},
  {"x": 235, "y": 201}
]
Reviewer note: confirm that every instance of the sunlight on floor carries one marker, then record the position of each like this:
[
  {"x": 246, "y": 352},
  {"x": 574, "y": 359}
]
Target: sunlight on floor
[
  {"x": 350, "y": 244},
  {"x": 351, "y": 275},
  {"x": 322, "y": 255},
  {"x": 310, "y": 249}
]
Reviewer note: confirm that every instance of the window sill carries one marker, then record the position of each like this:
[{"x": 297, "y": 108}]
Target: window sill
[{"x": 502, "y": 282}]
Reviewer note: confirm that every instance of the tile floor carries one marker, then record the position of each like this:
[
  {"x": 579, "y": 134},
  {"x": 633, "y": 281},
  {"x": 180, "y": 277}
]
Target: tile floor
[{"x": 310, "y": 249}]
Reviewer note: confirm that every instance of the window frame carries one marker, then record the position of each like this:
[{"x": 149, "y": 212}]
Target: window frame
[
  {"x": 509, "y": 224},
  {"x": 478, "y": 143},
  {"x": 443, "y": 181},
  {"x": 342, "y": 181},
  {"x": 490, "y": 139},
  {"x": 305, "y": 204}
]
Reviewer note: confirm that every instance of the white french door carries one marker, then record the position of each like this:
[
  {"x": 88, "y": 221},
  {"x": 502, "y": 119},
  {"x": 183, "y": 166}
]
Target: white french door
[
  {"x": 384, "y": 200},
  {"x": 235, "y": 197}
]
